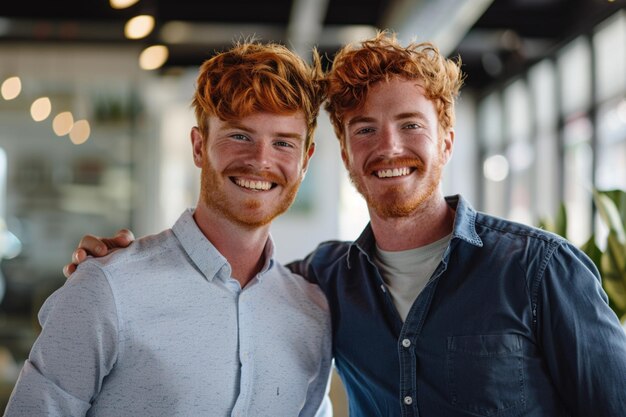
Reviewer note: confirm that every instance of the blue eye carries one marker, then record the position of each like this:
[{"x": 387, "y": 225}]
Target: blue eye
[
  {"x": 365, "y": 130},
  {"x": 239, "y": 136}
]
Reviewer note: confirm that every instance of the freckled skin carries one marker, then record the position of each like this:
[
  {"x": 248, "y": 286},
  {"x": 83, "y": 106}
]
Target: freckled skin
[
  {"x": 259, "y": 147},
  {"x": 396, "y": 127}
]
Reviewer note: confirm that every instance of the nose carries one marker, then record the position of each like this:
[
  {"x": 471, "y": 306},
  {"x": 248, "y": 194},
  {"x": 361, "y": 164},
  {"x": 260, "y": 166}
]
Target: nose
[
  {"x": 390, "y": 142},
  {"x": 260, "y": 156}
]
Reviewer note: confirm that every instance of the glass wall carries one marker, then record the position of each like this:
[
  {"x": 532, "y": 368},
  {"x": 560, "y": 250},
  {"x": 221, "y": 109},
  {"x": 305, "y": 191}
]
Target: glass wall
[
  {"x": 562, "y": 132},
  {"x": 519, "y": 151},
  {"x": 542, "y": 89},
  {"x": 495, "y": 165}
]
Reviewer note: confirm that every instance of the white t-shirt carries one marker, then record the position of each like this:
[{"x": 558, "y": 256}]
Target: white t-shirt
[{"x": 407, "y": 272}]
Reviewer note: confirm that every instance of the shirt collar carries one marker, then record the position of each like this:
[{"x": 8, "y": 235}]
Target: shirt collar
[
  {"x": 464, "y": 220},
  {"x": 209, "y": 261},
  {"x": 464, "y": 228}
]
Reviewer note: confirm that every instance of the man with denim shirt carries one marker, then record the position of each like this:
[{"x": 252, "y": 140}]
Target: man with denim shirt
[
  {"x": 491, "y": 317},
  {"x": 438, "y": 310}
]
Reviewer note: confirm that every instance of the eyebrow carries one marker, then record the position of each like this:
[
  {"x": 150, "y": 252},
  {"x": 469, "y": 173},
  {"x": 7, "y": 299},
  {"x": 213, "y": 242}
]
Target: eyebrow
[
  {"x": 360, "y": 119},
  {"x": 235, "y": 125},
  {"x": 411, "y": 115},
  {"x": 400, "y": 116}
]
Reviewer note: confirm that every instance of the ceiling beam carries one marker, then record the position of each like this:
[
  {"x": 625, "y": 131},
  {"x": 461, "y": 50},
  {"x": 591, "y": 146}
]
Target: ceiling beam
[
  {"x": 305, "y": 25},
  {"x": 443, "y": 22}
]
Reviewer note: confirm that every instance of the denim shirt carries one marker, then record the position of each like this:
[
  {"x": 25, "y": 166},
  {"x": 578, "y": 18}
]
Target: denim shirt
[{"x": 513, "y": 322}]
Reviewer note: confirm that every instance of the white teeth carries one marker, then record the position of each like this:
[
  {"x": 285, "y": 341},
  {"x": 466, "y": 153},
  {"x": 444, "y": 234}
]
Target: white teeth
[
  {"x": 396, "y": 172},
  {"x": 253, "y": 185}
]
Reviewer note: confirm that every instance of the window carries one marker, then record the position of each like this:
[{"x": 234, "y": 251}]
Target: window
[
  {"x": 520, "y": 153},
  {"x": 610, "y": 57},
  {"x": 542, "y": 84}
]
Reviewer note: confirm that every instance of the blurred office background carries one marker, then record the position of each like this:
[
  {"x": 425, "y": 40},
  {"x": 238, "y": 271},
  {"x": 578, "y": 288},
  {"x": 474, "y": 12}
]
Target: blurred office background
[{"x": 94, "y": 122}]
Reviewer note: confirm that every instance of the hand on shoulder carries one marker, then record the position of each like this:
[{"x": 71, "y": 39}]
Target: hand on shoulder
[{"x": 96, "y": 246}]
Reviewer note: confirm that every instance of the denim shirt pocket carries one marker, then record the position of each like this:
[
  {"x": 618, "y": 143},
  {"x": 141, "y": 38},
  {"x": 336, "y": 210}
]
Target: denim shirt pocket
[{"x": 485, "y": 373}]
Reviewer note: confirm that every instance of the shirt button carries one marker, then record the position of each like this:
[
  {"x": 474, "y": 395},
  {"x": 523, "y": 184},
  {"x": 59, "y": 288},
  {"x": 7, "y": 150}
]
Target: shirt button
[
  {"x": 406, "y": 343},
  {"x": 408, "y": 400}
]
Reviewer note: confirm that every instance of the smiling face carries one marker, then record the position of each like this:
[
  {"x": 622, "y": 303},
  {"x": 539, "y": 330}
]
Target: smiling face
[
  {"x": 252, "y": 167},
  {"x": 394, "y": 148}
]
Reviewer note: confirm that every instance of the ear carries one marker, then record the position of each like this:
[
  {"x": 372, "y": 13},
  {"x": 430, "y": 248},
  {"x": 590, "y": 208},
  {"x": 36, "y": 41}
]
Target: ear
[
  {"x": 344, "y": 156},
  {"x": 447, "y": 145},
  {"x": 308, "y": 156},
  {"x": 197, "y": 143}
]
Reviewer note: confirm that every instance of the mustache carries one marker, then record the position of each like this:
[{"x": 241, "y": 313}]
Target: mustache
[
  {"x": 390, "y": 163},
  {"x": 246, "y": 171}
]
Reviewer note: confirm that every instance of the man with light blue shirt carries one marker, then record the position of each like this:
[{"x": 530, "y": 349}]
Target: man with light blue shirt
[{"x": 200, "y": 320}]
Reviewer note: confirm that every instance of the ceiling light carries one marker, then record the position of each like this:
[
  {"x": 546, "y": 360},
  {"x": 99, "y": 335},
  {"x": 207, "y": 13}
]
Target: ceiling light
[
  {"x": 40, "y": 109},
  {"x": 80, "y": 132},
  {"x": 139, "y": 27},
  {"x": 496, "y": 168},
  {"x": 153, "y": 57},
  {"x": 62, "y": 123},
  {"x": 122, "y": 4},
  {"x": 11, "y": 88}
]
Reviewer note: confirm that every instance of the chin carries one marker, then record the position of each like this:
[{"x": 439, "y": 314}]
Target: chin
[
  {"x": 257, "y": 218},
  {"x": 394, "y": 211}
]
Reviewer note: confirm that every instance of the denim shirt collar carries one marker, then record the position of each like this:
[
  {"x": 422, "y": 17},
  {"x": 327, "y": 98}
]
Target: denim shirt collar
[
  {"x": 209, "y": 261},
  {"x": 464, "y": 229},
  {"x": 464, "y": 220}
]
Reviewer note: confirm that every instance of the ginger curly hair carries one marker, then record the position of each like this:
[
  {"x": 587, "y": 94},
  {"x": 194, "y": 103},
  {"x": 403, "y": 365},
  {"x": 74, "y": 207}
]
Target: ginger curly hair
[
  {"x": 254, "y": 77},
  {"x": 356, "y": 68}
]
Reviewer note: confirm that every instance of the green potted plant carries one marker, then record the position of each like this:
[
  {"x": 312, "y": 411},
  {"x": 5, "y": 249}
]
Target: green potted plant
[{"x": 611, "y": 260}]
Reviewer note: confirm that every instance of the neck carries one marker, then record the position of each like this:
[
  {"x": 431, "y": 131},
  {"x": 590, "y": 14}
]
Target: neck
[
  {"x": 241, "y": 246},
  {"x": 432, "y": 221}
]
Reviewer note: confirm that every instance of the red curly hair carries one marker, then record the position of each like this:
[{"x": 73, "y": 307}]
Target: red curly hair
[
  {"x": 356, "y": 69},
  {"x": 253, "y": 77}
]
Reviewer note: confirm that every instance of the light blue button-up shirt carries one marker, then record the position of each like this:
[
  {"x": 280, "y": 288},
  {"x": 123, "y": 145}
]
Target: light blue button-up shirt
[{"x": 161, "y": 329}]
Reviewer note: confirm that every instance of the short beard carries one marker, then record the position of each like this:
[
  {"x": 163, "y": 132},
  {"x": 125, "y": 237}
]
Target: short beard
[
  {"x": 212, "y": 195},
  {"x": 396, "y": 203}
]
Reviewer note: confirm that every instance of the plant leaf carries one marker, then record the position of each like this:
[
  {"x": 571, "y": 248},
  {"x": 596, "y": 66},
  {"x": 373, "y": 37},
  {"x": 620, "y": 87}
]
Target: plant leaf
[
  {"x": 560, "y": 223},
  {"x": 619, "y": 198},
  {"x": 593, "y": 252},
  {"x": 610, "y": 215}
]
